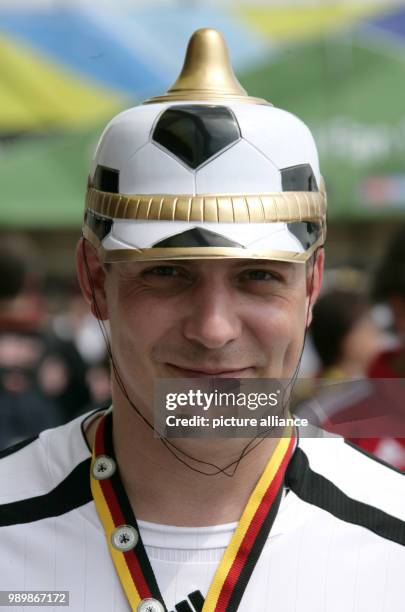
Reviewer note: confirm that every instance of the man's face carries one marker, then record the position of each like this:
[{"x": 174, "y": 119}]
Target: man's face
[{"x": 230, "y": 318}]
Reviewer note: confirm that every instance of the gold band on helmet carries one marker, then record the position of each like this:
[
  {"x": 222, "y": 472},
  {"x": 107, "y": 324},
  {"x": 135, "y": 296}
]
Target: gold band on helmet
[{"x": 272, "y": 207}]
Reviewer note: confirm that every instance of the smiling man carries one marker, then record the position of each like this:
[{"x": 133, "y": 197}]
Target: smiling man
[{"x": 203, "y": 249}]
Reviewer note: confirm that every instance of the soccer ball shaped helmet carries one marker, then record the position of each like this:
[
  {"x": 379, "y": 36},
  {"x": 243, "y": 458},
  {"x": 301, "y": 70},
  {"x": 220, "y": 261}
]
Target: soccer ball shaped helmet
[{"x": 205, "y": 171}]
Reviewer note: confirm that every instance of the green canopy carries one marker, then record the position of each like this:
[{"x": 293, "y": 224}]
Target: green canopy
[
  {"x": 349, "y": 91},
  {"x": 43, "y": 182}
]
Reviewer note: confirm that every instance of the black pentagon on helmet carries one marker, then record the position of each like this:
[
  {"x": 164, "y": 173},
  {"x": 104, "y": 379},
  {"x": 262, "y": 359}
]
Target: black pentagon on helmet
[
  {"x": 298, "y": 178},
  {"x": 196, "y": 237},
  {"x": 194, "y": 133},
  {"x": 307, "y": 232},
  {"x": 106, "y": 179},
  {"x": 100, "y": 226}
]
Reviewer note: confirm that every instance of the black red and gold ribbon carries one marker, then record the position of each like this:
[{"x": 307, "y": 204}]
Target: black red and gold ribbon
[{"x": 239, "y": 560}]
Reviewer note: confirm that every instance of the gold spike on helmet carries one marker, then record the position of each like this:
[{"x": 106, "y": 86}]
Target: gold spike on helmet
[{"x": 205, "y": 171}]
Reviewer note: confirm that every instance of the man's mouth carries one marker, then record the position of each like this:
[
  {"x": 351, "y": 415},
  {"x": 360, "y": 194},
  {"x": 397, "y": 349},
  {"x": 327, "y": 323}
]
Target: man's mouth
[{"x": 206, "y": 372}]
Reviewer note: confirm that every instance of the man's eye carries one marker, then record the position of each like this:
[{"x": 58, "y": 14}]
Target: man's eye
[
  {"x": 164, "y": 275},
  {"x": 163, "y": 271},
  {"x": 259, "y": 275}
]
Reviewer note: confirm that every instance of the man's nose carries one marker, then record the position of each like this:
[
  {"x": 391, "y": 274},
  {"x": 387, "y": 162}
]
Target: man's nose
[{"x": 211, "y": 319}]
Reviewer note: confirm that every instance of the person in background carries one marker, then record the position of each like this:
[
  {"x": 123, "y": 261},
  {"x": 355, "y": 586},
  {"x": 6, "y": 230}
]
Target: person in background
[
  {"x": 98, "y": 377},
  {"x": 344, "y": 334},
  {"x": 37, "y": 377},
  {"x": 351, "y": 346},
  {"x": 346, "y": 339},
  {"x": 24, "y": 409},
  {"x": 389, "y": 287}
]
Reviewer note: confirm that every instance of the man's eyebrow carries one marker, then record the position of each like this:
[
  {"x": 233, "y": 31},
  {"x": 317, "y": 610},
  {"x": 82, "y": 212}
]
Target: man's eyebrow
[{"x": 287, "y": 265}]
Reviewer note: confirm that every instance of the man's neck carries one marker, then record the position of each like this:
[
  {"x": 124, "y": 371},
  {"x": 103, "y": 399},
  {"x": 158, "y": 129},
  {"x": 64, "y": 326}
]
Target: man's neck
[{"x": 162, "y": 489}]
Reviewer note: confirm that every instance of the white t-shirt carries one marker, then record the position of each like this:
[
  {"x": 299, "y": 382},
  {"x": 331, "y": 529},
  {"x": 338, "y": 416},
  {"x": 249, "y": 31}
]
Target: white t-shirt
[{"x": 337, "y": 543}]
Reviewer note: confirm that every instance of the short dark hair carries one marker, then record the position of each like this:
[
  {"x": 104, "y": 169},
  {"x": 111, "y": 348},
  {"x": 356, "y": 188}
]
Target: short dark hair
[
  {"x": 12, "y": 274},
  {"x": 390, "y": 275},
  {"x": 19, "y": 266},
  {"x": 334, "y": 316}
]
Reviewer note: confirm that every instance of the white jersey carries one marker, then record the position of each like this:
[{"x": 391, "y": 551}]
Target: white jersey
[{"x": 337, "y": 543}]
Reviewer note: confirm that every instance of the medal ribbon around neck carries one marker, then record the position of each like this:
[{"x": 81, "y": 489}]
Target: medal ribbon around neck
[{"x": 238, "y": 562}]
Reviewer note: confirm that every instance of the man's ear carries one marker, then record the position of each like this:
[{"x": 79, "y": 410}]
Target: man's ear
[
  {"x": 315, "y": 277},
  {"x": 91, "y": 276}
]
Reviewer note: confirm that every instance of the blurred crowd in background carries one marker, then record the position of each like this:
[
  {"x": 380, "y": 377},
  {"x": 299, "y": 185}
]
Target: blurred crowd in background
[
  {"x": 53, "y": 363},
  {"x": 68, "y": 66},
  {"x": 358, "y": 334}
]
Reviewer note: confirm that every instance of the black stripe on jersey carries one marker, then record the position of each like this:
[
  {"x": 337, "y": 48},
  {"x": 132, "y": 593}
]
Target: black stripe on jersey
[
  {"x": 319, "y": 491},
  {"x": 72, "y": 492},
  {"x": 197, "y": 600},
  {"x": 16, "y": 447},
  {"x": 371, "y": 456},
  {"x": 183, "y": 606}
]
